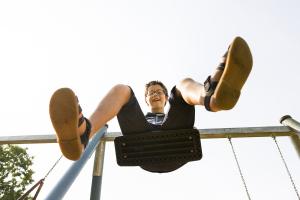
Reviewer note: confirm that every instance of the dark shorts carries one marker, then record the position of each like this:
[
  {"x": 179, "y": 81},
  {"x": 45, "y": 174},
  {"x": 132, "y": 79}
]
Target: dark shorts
[{"x": 179, "y": 116}]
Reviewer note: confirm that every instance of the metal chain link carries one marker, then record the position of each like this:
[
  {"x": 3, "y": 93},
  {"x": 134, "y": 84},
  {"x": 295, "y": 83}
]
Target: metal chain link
[
  {"x": 240, "y": 170},
  {"x": 286, "y": 167},
  {"x": 53, "y": 167}
]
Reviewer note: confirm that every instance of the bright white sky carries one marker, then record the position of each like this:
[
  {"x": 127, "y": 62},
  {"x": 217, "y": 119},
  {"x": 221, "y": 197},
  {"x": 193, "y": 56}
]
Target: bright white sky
[{"x": 91, "y": 45}]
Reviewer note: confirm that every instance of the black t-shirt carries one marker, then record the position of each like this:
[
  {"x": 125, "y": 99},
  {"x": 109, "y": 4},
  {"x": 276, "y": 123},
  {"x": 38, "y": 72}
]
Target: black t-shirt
[{"x": 155, "y": 118}]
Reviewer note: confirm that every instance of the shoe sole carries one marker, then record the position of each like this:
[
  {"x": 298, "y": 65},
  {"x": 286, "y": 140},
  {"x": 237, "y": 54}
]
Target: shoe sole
[
  {"x": 63, "y": 110},
  {"x": 237, "y": 69}
]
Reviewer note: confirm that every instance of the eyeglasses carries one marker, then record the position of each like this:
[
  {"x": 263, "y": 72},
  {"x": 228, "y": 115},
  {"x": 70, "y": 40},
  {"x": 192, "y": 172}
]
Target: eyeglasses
[{"x": 153, "y": 93}]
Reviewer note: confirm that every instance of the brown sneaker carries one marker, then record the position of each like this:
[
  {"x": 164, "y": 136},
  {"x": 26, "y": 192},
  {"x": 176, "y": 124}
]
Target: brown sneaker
[
  {"x": 236, "y": 69},
  {"x": 64, "y": 113}
]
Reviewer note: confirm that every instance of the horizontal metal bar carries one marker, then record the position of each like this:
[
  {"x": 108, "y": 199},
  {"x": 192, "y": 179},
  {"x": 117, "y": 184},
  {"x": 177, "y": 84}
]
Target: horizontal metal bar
[
  {"x": 246, "y": 132},
  {"x": 28, "y": 139},
  {"x": 204, "y": 134},
  {"x": 232, "y": 132}
]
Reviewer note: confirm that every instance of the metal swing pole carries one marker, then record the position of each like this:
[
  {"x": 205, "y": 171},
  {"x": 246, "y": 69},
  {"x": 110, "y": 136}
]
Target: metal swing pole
[
  {"x": 71, "y": 174},
  {"x": 98, "y": 171},
  {"x": 288, "y": 121}
]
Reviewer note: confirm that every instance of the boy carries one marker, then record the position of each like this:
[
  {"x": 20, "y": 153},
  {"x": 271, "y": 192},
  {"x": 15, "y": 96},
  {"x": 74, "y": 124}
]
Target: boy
[{"x": 220, "y": 91}]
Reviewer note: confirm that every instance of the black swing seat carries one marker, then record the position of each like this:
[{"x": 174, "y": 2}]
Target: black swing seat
[{"x": 158, "y": 147}]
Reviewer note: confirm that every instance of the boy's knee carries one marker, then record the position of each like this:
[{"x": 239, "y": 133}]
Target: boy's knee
[
  {"x": 185, "y": 82},
  {"x": 121, "y": 89}
]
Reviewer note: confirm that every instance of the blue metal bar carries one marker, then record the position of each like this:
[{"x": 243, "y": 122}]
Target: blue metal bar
[
  {"x": 98, "y": 171},
  {"x": 71, "y": 174}
]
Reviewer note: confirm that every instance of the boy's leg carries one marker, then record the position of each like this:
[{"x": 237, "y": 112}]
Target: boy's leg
[
  {"x": 132, "y": 119},
  {"x": 110, "y": 106},
  {"x": 65, "y": 116},
  {"x": 193, "y": 93},
  {"x": 222, "y": 89},
  {"x": 180, "y": 115}
]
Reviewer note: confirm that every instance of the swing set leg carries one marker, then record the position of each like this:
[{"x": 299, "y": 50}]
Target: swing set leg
[
  {"x": 97, "y": 172},
  {"x": 287, "y": 120}
]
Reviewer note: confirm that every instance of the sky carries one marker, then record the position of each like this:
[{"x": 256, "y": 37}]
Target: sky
[{"x": 91, "y": 45}]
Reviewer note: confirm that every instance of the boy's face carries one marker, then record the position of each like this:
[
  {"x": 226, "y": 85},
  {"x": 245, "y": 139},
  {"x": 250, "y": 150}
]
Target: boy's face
[{"x": 156, "y": 98}]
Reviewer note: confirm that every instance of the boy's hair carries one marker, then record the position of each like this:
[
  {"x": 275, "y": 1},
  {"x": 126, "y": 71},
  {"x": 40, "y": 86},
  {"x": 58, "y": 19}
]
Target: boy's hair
[{"x": 165, "y": 90}]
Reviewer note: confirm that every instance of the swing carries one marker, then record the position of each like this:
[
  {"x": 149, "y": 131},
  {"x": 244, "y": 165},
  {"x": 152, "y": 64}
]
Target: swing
[{"x": 158, "y": 147}]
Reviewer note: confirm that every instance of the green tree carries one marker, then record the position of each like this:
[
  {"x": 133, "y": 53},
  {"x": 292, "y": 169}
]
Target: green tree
[{"x": 15, "y": 172}]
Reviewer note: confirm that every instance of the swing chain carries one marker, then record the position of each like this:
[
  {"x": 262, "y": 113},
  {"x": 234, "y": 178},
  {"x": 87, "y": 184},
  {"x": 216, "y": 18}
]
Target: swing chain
[
  {"x": 39, "y": 184},
  {"x": 53, "y": 166},
  {"x": 286, "y": 167},
  {"x": 240, "y": 170}
]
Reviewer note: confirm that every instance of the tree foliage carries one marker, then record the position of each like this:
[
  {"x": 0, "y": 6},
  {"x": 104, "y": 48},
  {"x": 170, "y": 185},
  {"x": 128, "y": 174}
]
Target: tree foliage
[{"x": 15, "y": 172}]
